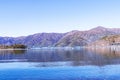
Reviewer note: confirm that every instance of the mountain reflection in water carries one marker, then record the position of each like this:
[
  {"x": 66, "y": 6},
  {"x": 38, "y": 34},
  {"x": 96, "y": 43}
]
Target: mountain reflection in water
[{"x": 55, "y": 57}]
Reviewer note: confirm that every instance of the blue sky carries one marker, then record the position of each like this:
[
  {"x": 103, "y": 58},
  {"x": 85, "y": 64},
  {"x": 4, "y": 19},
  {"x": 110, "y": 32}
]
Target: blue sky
[{"x": 25, "y": 17}]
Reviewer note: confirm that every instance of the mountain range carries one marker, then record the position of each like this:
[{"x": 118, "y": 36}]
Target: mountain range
[{"x": 73, "y": 38}]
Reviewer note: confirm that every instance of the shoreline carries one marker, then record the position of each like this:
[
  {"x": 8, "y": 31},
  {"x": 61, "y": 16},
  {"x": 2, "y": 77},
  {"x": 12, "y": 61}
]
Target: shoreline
[{"x": 77, "y": 47}]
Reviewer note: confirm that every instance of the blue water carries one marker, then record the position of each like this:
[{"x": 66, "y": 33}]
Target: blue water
[
  {"x": 60, "y": 65},
  {"x": 108, "y": 72}
]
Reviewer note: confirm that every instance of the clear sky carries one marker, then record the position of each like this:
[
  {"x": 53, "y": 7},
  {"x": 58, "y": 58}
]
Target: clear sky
[{"x": 25, "y": 17}]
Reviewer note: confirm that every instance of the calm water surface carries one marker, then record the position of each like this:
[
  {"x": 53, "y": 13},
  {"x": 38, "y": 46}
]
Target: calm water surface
[{"x": 60, "y": 64}]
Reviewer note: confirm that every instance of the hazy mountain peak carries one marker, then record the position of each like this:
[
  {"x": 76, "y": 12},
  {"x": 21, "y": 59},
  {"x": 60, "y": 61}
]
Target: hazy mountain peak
[
  {"x": 99, "y": 27},
  {"x": 74, "y": 31}
]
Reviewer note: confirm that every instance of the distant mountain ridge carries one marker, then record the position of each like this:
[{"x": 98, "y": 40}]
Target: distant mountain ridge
[
  {"x": 72, "y": 38},
  {"x": 83, "y": 38}
]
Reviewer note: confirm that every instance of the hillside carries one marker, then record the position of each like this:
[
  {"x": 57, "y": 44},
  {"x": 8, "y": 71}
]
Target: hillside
[
  {"x": 107, "y": 41},
  {"x": 72, "y": 38},
  {"x": 40, "y": 39}
]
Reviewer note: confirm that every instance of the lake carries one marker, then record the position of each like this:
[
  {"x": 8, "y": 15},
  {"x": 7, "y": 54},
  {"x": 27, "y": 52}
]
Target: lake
[{"x": 60, "y": 64}]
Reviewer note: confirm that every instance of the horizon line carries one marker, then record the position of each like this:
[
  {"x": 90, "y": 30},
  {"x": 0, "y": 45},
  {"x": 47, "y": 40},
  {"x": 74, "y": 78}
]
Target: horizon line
[{"x": 60, "y": 32}]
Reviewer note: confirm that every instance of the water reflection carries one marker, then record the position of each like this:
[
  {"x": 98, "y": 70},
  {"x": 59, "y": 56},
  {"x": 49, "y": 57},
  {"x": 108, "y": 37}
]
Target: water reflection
[
  {"x": 18, "y": 51},
  {"x": 85, "y": 56}
]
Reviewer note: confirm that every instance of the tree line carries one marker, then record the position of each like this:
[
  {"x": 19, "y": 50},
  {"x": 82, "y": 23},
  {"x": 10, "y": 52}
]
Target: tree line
[{"x": 14, "y": 46}]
